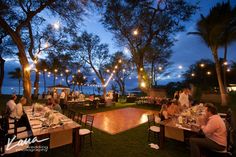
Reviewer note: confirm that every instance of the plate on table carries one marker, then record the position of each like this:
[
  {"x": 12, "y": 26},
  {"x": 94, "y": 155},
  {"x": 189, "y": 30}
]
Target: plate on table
[
  {"x": 43, "y": 119},
  {"x": 37, "y": 114},
  {"x": 37, "y": 126}
]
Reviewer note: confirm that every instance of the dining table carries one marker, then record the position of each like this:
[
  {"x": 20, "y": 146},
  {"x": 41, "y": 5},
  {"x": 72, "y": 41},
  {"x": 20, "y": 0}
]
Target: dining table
[
  {"x": 65, "y": 132},
  {"x": 180, "y": 124}
]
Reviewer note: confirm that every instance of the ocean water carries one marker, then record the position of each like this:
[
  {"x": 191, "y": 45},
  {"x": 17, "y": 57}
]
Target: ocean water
[{"x": 15, "y": 89}]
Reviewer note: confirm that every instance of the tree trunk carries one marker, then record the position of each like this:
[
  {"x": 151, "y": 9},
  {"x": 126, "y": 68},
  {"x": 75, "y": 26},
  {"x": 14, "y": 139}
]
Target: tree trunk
[
  {"x": 19, "y": 87},
  {"x": 120, "y": 86},
  {"x": 36, "y": 84},
  {"x": 104, "y": 91},
  {"x": 54, "y": 79},
  {"x": 225, "y": 66},
  {"x": 143, "y": 79},
  {"x": 26, "y": 75},
  {"x": 27, "y": 83},
  {"x": 223, "y": 93},
  {"x": 44, "y": 82},
  {"x": 2, "y": 63},
  {"x": 123, "y": 87},
  {"x": 152, "y": 74}
]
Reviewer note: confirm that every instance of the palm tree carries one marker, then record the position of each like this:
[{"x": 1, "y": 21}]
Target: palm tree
[
  {"x": 17, "y": 74},
  {"x": 229, "y": 33},
  {"x": 210, "y": 29}
]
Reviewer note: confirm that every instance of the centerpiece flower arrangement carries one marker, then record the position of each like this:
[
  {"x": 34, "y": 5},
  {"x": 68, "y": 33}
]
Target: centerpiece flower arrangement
[
  {"x": 38, "y": 107},
  {"x": 51, "y": 118}
]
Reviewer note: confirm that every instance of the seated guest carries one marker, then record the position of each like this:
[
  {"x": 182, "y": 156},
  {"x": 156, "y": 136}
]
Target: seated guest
[
  {"x": 214, "y": 131},
  {"x": 19, "y": 109},
  {"x": 184, "y": 98},
  {"x": 56, "y": 106},
  {"x": 91, "y": 97},
  {"x": 18, "y": 113},
  {"x": 50, "y": 102},
  {"x": 169, "y": 110},
  {"x": 10, "y": 106}
]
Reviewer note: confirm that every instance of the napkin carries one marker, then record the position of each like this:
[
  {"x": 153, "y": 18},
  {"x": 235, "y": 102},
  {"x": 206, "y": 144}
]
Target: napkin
[{"x": 154, "y": 146}]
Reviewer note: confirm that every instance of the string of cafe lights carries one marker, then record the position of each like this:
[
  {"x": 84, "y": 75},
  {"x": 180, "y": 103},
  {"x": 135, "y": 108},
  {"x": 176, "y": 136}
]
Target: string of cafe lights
[
  {"x": 135, "y": 32},
  {"x": 46, "y": 45}
]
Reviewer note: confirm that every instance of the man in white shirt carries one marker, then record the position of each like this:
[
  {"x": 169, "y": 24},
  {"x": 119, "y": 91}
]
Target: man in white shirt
[
  {"x": 184, "y": 99},
  {"x": 19, "y": 108},
  {"x": 10, "y": 106},
  {"x": 55, "y": 94},
  {"x": 62, "y": 99}
]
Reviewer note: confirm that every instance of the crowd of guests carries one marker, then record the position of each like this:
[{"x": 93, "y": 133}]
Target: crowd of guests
[{"x": 212, "y": 127}]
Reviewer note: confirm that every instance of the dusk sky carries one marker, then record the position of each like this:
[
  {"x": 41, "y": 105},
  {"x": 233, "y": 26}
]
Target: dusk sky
[{"x": 187, "y": 50}]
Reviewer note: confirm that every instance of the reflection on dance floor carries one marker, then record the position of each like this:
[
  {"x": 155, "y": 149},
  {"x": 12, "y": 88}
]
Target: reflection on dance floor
[{"x": 120, "y": 120}]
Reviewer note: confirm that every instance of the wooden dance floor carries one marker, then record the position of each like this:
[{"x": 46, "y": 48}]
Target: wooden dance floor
[{"x": 120, "y": 120}]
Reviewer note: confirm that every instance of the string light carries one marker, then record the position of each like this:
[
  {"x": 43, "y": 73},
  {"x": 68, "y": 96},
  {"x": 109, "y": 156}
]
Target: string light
[
  {"x": 143, "y": 84},
  {"x": 225, "y": 63},
  {"x": 27, "y": 68},
  {"x": 180, "y": 67},
  {"x": 56, "y": 25},
  {"x": 135, "y": 32},
  {"x": 46, "y": 45},
  {"x": 208, "y": 73},
  {"x": 55, "y": 70},
  {"x": 192, "y": 74},
  {"x": 202, "y": 65},
  {"x": 160, "y": 68},
  {"x": 228, "y": 70}
]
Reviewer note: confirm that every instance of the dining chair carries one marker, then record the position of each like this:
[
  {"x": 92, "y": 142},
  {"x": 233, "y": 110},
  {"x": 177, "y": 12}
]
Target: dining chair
[
  {"x": 3, "y": 140},
  {"x": 71, "y": 114},
  {"x": 87, "y": 130},
  {"x": 153, "y": 121},
  {"x": 79, "y": 118},
  {"x": 20, "y": 132}
]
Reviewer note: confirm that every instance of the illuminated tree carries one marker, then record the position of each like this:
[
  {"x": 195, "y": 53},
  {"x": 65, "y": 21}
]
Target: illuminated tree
[{"x": 139, "y": 25}]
